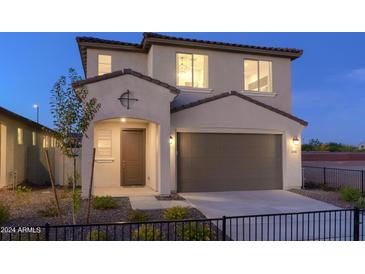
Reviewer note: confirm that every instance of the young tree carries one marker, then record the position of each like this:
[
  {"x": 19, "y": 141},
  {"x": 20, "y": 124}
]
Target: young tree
[{"x": 72, "y": 113}]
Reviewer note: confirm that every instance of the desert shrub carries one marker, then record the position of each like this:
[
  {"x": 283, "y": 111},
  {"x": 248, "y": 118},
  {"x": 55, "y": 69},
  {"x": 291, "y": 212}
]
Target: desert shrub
[
  {"x": 96, "y": 235},
  {"x": 195, "y": 231},
  {"x": 147, "y": 233},
  {"x": 50, "y": 211},
  {"x": 360, "y": 203},
  {"x": 4, "y": 214},
  {"x": 137, "y": 216},
  {"x": 176, "y": 213},
  {"x": 350, "y": 194},
  {"x": 23, "y": 189},
  {"x": 104, "y": 202},
  {"x": 28, "y": 237}
]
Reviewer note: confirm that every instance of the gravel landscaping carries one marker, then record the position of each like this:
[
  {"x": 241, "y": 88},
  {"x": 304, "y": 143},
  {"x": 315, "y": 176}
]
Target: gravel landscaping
[
  {"x": 331, "y": 197},
  {"x": 25, "y": 209}
]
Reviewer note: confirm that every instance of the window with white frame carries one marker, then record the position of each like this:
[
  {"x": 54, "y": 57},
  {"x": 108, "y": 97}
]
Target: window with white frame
[
  {"x": 20, "y": 136},
  {"x": 191, "y": 70},
  {"x": 104, "y": 64},
  {"x": 34, "y": 138},
  {"x": 104, "y": 143},
  {"x": 257, "y": 76}
]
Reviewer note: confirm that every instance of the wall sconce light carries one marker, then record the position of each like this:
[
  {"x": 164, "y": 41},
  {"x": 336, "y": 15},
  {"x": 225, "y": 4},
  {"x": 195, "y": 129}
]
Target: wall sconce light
[
  {"x": 123, "y": 120},
  {"x": 295, "y": 140},
  {"x": 171, "y": 140}
]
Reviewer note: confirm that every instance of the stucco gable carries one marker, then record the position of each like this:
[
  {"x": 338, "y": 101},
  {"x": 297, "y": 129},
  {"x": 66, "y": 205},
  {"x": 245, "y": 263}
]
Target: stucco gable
[
  {"x": 244, "y": 97},
  {"x": 123, "y": 72}
]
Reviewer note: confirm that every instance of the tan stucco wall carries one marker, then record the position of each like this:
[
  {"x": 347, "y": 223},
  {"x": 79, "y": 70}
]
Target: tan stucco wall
[
  {"x": 120, "y": 60},
  {"x": 225, "y": 72},
  {"x": 27, "y": 160},
  {"x": 232, "y": 114},
  {"x": 153, "y": 105}
]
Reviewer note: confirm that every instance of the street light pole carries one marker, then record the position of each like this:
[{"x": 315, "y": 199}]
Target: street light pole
[{"x": 37, "y": 108}]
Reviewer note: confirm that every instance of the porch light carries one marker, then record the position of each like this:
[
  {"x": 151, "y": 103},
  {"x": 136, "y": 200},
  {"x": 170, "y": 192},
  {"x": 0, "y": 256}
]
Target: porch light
[
  {"x": 171, "y": 140},
  {"x": 123, "y": 120},
  {"x": 295, "y": 140}
]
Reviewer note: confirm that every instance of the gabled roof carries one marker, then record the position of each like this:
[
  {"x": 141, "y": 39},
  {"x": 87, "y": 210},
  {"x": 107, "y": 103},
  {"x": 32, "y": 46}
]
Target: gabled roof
[
  {"x": 8, "y": 113},
  {"x": 159, "y": 39},
  {"x": 244, "y": 97},
  {"x": 125, "y": 72}
]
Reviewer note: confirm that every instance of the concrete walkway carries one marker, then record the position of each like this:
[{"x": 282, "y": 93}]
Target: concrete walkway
[
  {"x": 150, "y": 202},
  {"x": 238, "y": 203}
]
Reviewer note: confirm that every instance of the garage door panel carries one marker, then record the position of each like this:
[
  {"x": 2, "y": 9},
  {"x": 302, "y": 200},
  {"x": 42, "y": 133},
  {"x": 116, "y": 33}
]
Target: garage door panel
[{"x": 228, "y": 162}]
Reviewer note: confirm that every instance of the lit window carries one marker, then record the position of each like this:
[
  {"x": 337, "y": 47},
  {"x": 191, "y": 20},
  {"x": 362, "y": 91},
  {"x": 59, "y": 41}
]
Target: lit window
[
  {"x": 191, "y": 70},
  {"x": 104, "y": 64},
  {"x": 104, "y": 143},
  {"x": 20, "y": 136},
  {"x": 258, "y": 76},
  {"x": 34, "y": 138},
  {"x": 45, "y": 141}
]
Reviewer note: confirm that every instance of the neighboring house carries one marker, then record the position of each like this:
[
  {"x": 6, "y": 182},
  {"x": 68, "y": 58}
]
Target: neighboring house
[
  {"x": 22, "y": 144},
  {"x": 190, "y": 115}
]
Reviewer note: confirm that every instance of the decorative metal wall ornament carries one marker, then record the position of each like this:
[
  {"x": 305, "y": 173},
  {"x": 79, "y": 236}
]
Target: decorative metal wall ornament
[{"x": 126, "y": 98}]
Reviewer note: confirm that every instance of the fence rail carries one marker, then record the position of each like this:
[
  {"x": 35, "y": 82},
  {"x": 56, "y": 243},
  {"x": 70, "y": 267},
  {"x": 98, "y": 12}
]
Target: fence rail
[
  {"x": 332, "y": 225},
  {"x": 333, "y": 177}
]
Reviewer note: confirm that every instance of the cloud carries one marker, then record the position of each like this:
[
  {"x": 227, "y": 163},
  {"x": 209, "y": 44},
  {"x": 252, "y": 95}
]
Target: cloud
[{"x": 357, "y": 74}]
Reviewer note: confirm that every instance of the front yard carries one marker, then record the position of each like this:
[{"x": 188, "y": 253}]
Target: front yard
[{"x": 36, "y": 207}]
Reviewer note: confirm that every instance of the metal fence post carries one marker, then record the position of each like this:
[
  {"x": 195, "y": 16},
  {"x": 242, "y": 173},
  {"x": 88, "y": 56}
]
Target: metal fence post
[
  {"x": 224, "y": 221},
  {"x": 324, "y": 175},
  {"x": 47, "y": 232},
  {"x": 356, "y": 224}
]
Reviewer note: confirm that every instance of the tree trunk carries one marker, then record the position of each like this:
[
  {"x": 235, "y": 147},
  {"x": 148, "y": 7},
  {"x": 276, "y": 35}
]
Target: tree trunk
[
  {"x": 53, "y": 186},
  {"x": 90, "y": 188}
]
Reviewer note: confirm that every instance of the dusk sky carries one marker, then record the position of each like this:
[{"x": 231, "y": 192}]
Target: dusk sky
[{"x": 328, "y": 81}]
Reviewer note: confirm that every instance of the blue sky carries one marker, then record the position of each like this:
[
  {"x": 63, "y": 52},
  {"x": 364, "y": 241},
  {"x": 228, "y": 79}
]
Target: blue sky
[{"x": 328, "y": 81}]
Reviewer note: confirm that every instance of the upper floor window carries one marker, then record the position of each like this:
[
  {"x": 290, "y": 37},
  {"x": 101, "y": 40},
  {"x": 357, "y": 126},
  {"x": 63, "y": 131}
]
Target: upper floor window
[
  {"x": 20, "y": 136},
  {"x": 104, "y": 64},
  {"x": 191, "y": 70},
  {"x": 258, "y": 76}
]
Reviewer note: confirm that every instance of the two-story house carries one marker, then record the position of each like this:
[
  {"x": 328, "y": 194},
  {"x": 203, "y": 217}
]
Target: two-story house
[{"x": 190, "y": 115}]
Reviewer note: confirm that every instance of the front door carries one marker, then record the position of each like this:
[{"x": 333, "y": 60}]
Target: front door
[{"x": 133, "y": 157}]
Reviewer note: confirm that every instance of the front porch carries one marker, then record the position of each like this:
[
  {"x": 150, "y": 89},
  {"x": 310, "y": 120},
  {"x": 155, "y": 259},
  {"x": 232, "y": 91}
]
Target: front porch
[{"x": 124, "y": 191}]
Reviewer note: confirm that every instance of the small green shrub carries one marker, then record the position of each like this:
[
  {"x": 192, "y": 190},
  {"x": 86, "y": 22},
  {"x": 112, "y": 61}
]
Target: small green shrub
[
  {"x": 23, "y": 189},
  {"x": 350, "y": 194},
  {"x": 147, "y": 233},
  {"x": 137, "y": 216},
  {"x": 76, "y": 200},
  {"x": 50, "y": 211},
  {"x": 4, "y": 214},
  {"x": 176, "y": 213},
  {"x": 96, "y": 235},
  {"x": 104, "y": 202},
  {"x": 195, "y": 232},
  {"x": 361, "y": 203}
]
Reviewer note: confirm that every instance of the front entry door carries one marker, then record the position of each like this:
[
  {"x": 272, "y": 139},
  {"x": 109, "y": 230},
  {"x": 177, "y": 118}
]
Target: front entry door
[{"x": 133, "y": 157}]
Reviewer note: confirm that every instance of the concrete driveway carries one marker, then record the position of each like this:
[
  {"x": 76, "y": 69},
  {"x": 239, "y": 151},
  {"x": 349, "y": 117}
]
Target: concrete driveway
[{"x": 238, "y": 203}]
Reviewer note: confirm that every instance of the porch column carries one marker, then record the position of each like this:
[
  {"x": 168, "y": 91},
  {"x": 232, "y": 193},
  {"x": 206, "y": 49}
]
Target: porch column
[
  {"x": 164, "y": 178},
  {"x": 86, "y": 160}
]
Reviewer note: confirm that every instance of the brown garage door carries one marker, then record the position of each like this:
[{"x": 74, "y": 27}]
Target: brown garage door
[{"x": 226, "y": 162}]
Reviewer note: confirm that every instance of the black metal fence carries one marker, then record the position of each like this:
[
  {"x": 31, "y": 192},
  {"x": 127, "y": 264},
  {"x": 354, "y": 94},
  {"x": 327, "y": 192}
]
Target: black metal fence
[
  {"x": 333, "y": 177},
  {"x": 332, "y": 225}
]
